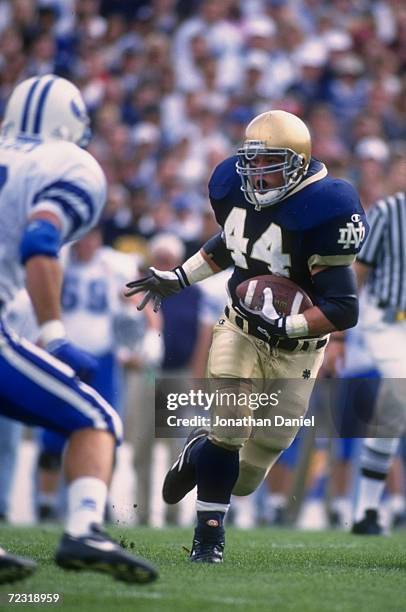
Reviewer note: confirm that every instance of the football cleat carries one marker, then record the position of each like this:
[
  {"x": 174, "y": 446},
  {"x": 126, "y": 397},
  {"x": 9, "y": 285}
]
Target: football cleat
[
  {"x": 369, "y": 525},
  {"x": 47, "y": 513},
  {"x": 206, "y": 552},
  {"x": 181, "y": 478},
  {"x": 13, "y": 568},
  {"x": 100, "y": 553}
]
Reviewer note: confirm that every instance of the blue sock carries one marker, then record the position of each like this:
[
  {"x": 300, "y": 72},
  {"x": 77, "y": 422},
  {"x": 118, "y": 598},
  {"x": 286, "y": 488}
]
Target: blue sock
[{"x": 216, "y": 472}]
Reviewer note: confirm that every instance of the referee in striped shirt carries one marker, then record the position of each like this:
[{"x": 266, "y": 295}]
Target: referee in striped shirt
[
  {"x": 382, "y": 260},
  {"x": 381, "y": 266}
]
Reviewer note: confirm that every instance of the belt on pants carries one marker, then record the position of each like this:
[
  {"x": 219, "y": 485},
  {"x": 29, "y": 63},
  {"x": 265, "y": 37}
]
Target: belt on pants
[{"x": 285, "y": 344}]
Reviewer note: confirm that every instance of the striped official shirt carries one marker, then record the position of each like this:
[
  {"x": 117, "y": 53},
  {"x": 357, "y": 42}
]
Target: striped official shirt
[{"x": 385, "y": 251}]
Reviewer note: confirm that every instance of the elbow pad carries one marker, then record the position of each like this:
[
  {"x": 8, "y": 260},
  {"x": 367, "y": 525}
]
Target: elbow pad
[
  {"x": 215, "y": 248},
  {"x": 40, "y": 238},
  {"x": 335, "y": 293}
]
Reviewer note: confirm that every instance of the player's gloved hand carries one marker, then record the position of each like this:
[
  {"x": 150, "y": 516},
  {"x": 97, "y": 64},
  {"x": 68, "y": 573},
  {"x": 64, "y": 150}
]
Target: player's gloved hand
[
  {"x": 267, "y": 318},
  {"x": 157, "y": 285},
  {"x": 80, "y": 361}
]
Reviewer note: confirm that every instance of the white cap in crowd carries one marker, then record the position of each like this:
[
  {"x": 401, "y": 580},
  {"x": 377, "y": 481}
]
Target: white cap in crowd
[
  {"x": 372, "y": 148},
  {"x": 167, "y": 243}
]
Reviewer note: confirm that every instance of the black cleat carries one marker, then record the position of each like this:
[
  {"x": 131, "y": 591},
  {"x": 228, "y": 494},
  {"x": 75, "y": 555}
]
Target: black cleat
[
  {"x": 334, "y": 519},
  {"x": 100, "y": 553},
  {"x": 181, "y": 478},
  {"x": 13, "y": 568},
  {"x": 369, "y": 525},
  {"x": 47, "y": 514},
  {"x": 204, "y": 552}
]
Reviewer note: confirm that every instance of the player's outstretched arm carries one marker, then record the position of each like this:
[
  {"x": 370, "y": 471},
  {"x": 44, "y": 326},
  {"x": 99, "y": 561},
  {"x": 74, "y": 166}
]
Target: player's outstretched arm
[{"x": 159, "y": 284}]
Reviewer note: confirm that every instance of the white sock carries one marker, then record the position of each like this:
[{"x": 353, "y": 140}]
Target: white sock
[
  {"x": 86, "y": 504},
  {"x": 397, "y": 503},
  {"x": 278, "y": 500},
  {"x": 369, "y": 496}
]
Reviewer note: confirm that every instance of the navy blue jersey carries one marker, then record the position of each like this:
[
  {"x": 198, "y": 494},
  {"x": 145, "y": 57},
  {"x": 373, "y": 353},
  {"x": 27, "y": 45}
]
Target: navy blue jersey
[{"x": 321, "y": 223}]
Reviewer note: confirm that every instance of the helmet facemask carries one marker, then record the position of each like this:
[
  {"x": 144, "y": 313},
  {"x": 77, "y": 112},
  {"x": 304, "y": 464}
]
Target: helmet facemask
[{"x": 261, "y": 193}]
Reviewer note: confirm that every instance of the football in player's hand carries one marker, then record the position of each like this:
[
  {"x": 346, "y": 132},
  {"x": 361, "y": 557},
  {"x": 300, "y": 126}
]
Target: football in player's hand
[{"x": 288, "y": 298}]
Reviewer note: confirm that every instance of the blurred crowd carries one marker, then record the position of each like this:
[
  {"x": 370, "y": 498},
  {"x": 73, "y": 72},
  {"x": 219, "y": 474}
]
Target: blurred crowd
[{"x": 171, "y": 85}]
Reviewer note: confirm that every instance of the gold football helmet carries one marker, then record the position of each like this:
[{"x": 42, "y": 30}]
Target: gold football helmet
[{"x": 275, "y": 142}]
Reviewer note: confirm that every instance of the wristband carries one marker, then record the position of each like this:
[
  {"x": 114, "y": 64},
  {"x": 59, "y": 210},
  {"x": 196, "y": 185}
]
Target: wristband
[
  {"x": 296, "y": 326},
  {"x": 50, "y": 331}
]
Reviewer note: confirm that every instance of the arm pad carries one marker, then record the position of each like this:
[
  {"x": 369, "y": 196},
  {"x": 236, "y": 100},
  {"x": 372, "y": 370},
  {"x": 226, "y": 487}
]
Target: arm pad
[
  {"x": 335, "y": 292},
  {"x": 212, "y": 258},
  {"x": 217, "y": 251},
  {"x": 40, "y": 238}
]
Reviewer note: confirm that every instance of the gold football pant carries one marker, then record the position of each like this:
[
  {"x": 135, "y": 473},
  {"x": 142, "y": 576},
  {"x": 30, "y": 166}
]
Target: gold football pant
[{"x": 249, "y": 365}]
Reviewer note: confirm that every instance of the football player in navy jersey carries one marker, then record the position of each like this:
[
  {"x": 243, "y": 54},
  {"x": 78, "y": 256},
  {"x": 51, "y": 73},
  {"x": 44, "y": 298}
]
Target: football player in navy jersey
[{"x": 280, "y": 213}]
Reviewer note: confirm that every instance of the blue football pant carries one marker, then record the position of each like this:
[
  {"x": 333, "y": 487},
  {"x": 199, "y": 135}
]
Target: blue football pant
[
  {"x": 37, "y": 389},
  {"x": 107, "y": 381}
]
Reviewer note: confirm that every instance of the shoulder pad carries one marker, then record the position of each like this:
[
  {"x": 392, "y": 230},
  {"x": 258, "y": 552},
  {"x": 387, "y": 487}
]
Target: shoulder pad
[
  {"x": 224, "y": 179},
  {"x": 72, "y": 183},
  {"x": 317, "y": 204},
  {"x": 341, "y": 198}
]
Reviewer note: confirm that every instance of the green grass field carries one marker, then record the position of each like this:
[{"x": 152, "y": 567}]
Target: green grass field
[{"x": 265, "y": 570}]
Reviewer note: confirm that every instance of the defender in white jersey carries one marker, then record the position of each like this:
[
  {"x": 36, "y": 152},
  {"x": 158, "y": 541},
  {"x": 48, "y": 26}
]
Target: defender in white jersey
[{"x": 51, "y": 192}]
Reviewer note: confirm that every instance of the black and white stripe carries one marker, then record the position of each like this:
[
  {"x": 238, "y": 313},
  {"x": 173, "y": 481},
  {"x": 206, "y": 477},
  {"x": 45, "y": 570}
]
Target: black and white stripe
[{"x": 385, "y": 251}]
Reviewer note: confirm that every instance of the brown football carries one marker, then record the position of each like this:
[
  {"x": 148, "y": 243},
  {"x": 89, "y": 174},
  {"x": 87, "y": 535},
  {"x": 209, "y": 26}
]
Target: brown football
[{"x": 288, "y": 298}]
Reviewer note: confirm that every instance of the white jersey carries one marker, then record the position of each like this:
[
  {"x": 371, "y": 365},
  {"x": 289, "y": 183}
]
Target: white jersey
[
  {"x": 91, "y": 298},
  {"x": 56, "y": 176}
]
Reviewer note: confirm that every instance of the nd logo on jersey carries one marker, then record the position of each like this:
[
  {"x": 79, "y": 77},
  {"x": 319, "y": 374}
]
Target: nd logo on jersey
[{"x": 353, "y": 233}]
